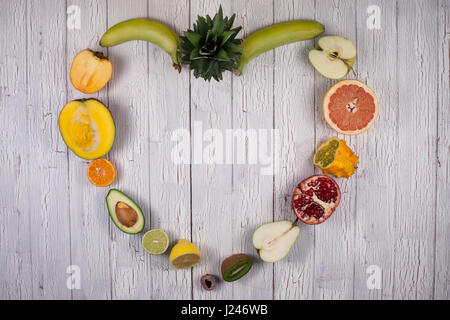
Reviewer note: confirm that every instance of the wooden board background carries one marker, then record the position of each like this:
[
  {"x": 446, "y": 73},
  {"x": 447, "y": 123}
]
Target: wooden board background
[{"x": 394, "y": 213}]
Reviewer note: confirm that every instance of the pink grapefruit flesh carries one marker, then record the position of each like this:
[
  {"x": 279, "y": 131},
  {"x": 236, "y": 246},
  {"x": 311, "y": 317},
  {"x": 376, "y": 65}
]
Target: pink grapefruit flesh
[{"x": 350, "y": 107}]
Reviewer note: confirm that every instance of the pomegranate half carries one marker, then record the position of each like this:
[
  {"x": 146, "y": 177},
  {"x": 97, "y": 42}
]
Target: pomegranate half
[{"x": 315, "y": 199}]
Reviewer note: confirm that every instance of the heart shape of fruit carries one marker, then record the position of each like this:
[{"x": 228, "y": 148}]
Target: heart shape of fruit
[
  {"x": 350, "y": 107},
  {"x": 315, "y": 199}
]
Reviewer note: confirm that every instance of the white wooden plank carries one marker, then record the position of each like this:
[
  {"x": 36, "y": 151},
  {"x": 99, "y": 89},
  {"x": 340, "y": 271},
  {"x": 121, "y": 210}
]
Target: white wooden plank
[
  {"x": 129, "y": 104},
  {"x": 393, "y": 212},
  {"x": 442, "y": 252},
  {"x": 15, "y": 279},
  {"x": 417, "y": 112},
  {"x": 212, "y": 215},
  {"x": 294, "y": 117},
  {"x": 47, "y": 201},
  {"x": 378, "y": 170},
  {"x": 169, "y": 182},
  {"x": 89, "y": 218},
  {"x": 334, "y": 239},
  {"x": 252, "y": 186}
]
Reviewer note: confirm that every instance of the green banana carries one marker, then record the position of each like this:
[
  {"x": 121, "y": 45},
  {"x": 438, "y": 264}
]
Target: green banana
[
  {"x": 277, "y": 35},
  {"x": 144, "y": 29}
]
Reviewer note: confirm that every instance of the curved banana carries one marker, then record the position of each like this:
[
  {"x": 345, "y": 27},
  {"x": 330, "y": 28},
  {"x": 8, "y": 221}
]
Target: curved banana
[
  {"x": 277, "y": 35},
  {"x": 147, "y": 30}
]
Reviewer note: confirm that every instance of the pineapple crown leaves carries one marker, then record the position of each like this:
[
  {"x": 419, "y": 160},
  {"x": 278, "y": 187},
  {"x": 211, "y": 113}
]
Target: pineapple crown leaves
[{"x": 211, "y": 47}]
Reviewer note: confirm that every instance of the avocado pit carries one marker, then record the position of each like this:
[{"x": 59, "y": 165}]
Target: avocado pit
[{"x": 126, "y": 214}]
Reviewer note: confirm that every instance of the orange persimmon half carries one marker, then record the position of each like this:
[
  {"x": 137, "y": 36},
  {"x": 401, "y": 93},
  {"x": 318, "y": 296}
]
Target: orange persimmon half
[
  {"x": 90, "y": 71},
  {"x": 101, "y": 172}
]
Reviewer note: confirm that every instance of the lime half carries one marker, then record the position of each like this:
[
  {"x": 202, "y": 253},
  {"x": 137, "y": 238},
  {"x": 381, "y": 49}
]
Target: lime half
[{"x": 155, "y": 241}]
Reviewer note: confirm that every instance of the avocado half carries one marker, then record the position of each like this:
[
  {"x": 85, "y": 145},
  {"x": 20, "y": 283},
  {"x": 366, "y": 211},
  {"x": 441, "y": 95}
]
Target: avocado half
[{"x": 124, "y": 212}]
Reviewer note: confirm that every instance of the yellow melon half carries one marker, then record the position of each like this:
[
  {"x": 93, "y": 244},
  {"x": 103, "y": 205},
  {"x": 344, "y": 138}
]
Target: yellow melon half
[{"x": 87, "y": 128}]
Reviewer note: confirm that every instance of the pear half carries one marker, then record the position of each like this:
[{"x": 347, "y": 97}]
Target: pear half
[
  {"x": 333, "y": 57},
  {"x": 274, "y": 240}
]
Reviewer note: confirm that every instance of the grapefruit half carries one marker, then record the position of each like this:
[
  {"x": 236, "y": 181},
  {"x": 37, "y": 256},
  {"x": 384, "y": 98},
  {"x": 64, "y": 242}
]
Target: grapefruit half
[{"x": 350, "y": 107}]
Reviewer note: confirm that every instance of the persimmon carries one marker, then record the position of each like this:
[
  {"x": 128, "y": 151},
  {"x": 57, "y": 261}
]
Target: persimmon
[{"x": 90, "y": 71}]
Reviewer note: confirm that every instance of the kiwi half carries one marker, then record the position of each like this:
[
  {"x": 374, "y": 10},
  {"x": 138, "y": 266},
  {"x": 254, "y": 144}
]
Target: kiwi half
[{"x": 236, "y": 266}]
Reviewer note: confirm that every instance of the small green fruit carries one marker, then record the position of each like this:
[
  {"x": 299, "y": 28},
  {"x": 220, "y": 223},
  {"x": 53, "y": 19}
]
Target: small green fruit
[{"x": 236, "y": 266}]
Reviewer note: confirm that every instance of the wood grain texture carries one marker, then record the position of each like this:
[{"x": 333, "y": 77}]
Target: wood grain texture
[
  {"x": 47, "y": 187},
  {"x": 378, "y": 168},
  {"x": 170, "y": 183},
  {"x": 294, "y": 105},
  {"x": 415, "y": 215},
  {"x": 89, "y": 221},
  {"x": 212, "y": 186},
  {"x": 442, "y": 252},
  {"x": 334, "y": 240},
  {"x": 129, "y": 105},
  {"x": 252, "y": 108},
  {"x": 394, "y": 211},
  {"x": 15, "y": 238}
]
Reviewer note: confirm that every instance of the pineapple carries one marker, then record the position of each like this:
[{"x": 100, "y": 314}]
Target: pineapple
[{"x": 212, "y": 47}]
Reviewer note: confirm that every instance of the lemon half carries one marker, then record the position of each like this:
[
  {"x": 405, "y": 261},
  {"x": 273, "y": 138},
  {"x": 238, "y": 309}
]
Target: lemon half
[{"x": 184, "y": 255}]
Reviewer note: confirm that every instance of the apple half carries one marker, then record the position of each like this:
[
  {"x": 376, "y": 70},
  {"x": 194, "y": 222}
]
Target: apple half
[
  {"x": 274, "y": 240},
  {"x": 333, "y": 57}
]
